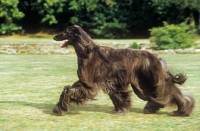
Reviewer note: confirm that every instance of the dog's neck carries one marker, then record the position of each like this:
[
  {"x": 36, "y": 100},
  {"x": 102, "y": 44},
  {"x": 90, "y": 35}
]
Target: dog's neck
[{"x": 84, "y": 51}]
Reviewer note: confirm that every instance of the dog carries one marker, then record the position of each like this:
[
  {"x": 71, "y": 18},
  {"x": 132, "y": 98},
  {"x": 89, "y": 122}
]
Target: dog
[{"x": 113, "y": 70}]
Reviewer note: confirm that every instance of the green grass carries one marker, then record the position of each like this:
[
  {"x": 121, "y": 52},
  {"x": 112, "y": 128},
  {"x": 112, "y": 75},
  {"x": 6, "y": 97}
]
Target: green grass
[{"x": 30, "y": 86}]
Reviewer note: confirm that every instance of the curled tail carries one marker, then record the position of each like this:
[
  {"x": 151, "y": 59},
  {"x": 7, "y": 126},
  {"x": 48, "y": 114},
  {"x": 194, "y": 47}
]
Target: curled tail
[{"x": 179, "y": 78}]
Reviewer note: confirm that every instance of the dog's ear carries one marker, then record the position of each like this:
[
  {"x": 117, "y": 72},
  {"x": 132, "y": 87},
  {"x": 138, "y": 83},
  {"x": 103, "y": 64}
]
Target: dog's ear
[{"x": 71, "y": 32}]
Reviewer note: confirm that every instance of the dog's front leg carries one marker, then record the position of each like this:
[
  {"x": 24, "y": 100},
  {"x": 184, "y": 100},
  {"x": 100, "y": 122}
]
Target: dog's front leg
[
  {"x": 64, "y": 101},
  {"x": 77, "y": 93}
]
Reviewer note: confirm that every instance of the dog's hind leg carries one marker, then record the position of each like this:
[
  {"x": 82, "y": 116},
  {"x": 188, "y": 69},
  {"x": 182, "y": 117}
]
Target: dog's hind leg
[
  {"x": 121, "y": 101},
  {"x": 152, "y": 107},
  {"x": 184, "y": 102}
]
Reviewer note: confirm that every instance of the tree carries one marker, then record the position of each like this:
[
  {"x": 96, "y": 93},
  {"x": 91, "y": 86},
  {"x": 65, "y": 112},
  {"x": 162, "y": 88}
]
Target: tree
[
  {"x": 9, "y": 12},
  {"x": 113, "y": 18},
  {"x": 48, "y": 9},
  {"x": 99, "y": 17},
  {"x": 187, "y": 7}
]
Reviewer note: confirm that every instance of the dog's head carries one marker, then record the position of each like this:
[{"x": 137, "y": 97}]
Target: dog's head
[
  {"x": 68, "y": 35},
  {"x": 78, "y": 38}
]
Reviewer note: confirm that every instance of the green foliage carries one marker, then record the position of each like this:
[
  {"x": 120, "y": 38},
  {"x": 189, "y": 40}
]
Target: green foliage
[
  {"x": 134, "y": 45},
  {"x": 182, "y": 9},
  {"x": 48, "y": 9},
  {"x": 101, "y": 18},
  {"x": 9, "y": 11},
  {"x": 172, "y": 36},
  {"x": 194, "y": 4},
  {"x": 111, "y": 18},
  {"x": 9, "y": 29}
]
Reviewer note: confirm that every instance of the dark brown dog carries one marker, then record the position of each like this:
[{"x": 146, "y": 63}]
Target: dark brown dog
[{"x": 112, "y": 70}]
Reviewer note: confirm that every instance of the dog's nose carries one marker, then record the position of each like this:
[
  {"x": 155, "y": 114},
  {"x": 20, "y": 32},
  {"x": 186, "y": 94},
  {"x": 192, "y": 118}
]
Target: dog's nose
[{"x": 54, "y": 37}]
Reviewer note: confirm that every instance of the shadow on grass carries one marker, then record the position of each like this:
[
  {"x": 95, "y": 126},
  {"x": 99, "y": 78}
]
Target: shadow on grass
[
  {"x": 74, "y": 109},
  {"x": 46, "y": 108}
]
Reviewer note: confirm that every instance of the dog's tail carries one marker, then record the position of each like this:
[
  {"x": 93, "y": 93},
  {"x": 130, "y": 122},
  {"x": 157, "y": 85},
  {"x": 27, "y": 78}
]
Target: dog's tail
[{"x": 179, "y": 78}]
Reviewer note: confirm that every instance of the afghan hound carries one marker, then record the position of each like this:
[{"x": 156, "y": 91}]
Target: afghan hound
[{"x": 113, "y": 70}]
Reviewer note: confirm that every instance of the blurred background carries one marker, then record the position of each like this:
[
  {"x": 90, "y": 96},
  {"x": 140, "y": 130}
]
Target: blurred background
[{"x": 100, "y": 18}]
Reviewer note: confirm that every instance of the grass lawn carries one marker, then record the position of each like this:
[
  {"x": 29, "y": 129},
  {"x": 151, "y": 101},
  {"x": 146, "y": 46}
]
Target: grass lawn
[{"x": 30, "y": 86}]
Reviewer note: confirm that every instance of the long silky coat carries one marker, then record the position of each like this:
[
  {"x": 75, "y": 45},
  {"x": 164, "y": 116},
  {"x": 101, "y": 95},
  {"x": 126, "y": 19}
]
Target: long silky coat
[{"x": 113, "y": 70}]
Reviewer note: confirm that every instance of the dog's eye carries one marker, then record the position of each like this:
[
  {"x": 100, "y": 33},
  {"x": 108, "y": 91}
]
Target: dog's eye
[{"x": 64, "y": 33}]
